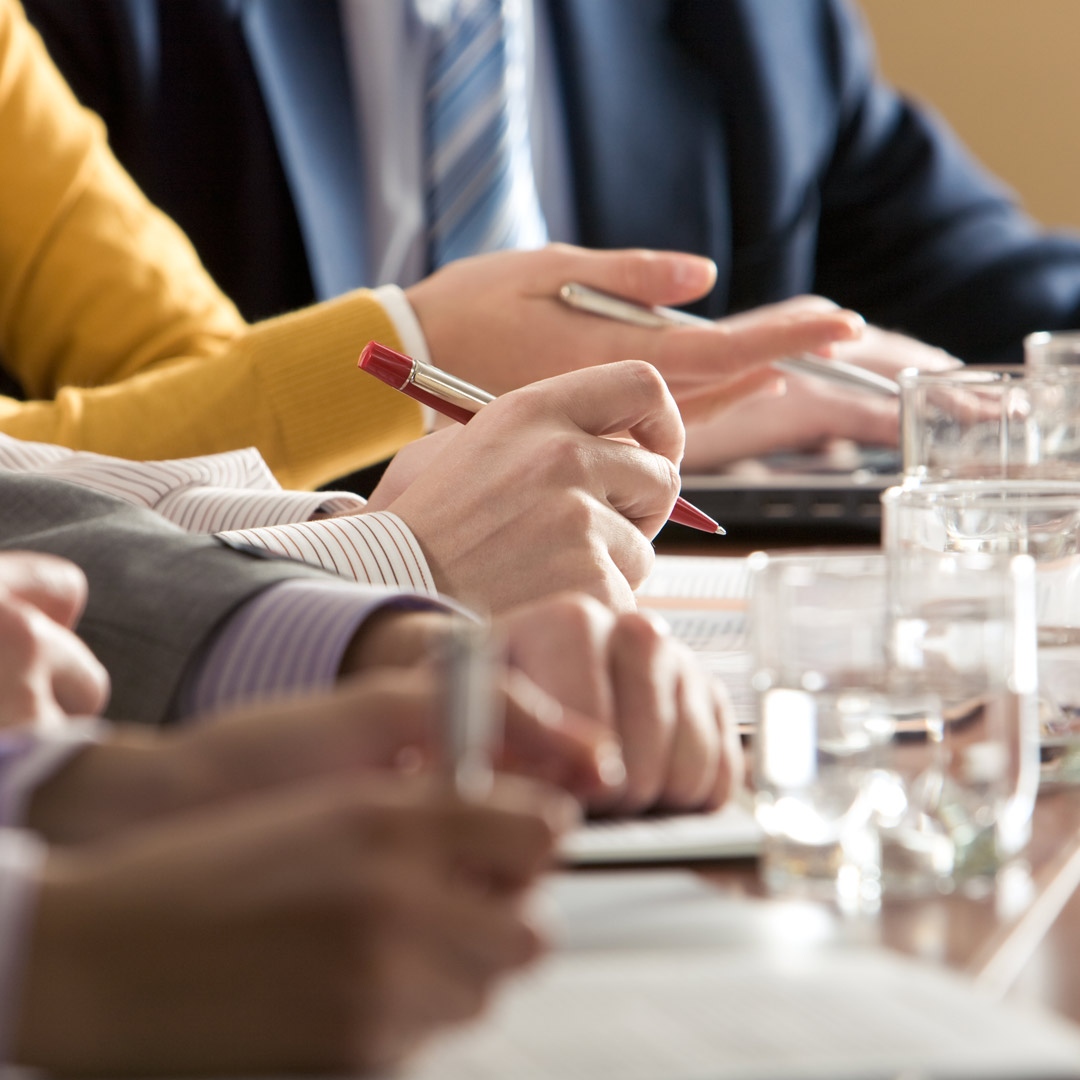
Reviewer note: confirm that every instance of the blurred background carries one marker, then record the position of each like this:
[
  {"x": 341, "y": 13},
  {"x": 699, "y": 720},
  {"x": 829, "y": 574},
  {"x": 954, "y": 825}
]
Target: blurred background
[{"x": 1006, "y": 75}]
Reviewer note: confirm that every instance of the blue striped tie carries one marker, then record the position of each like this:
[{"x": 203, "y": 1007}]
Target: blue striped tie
[{"x": 480, "y": 189}]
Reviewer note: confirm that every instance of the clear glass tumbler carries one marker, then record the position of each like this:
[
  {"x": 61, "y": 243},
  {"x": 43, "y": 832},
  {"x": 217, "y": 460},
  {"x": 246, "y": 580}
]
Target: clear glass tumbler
[
  {"x": 1014, "y": 517},
  {"x": 896, "y": 742},
  {"x": 990, "y": 423}
]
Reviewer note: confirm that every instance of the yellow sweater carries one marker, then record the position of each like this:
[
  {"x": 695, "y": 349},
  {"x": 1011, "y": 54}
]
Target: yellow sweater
[{"x": 117, "y": 333}]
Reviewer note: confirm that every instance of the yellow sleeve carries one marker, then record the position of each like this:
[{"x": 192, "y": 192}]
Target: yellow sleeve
[{"x": 121, "y": 339}]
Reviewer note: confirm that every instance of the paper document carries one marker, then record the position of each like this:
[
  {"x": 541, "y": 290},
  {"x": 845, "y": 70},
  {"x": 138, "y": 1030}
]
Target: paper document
[
  {"x": 660, "y": 977},
  {"x": 730, "y": 833},
  {"x": 704, "y": 599}
]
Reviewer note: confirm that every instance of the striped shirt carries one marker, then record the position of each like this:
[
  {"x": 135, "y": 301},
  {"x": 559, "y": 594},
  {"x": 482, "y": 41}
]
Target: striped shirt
[{"x": 267, "y": 647}]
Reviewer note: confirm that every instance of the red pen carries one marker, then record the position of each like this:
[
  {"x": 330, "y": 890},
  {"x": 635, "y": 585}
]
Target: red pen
[{"x": 461, "y": 401}]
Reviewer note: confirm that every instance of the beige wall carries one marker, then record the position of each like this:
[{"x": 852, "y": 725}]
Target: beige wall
[{"x": 1006, "y": 75}]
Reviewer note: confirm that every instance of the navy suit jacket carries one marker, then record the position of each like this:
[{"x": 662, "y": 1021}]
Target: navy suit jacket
[{"x": 756, "y": 133}]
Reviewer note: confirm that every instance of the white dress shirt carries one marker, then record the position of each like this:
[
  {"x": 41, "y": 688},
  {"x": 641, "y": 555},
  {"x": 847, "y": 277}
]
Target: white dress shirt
[{"x": 386, "y": 47}]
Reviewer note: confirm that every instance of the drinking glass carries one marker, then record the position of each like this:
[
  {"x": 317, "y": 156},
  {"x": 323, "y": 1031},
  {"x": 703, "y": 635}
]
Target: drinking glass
[
  {"x": 896, "y": 745},
  {"x": 1052, "y": 349},
  {"x": 1036, "y": 518},
  {"x": 990, "y": 423}
]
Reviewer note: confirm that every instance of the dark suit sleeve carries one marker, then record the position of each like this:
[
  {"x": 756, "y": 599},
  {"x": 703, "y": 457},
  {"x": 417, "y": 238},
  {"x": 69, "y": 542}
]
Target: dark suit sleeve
[
  {"x": 156, "y": 592},
  {"x": 917, "y": 235}
]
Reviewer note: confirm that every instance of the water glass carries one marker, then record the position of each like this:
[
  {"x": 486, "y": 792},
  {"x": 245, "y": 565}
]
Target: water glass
[
  {"x": 990, "y": 423},
  {"x": 1036, "y": 518},
  {"x": 1052, "y": 349},
  {"x": 896, "y": 747}
]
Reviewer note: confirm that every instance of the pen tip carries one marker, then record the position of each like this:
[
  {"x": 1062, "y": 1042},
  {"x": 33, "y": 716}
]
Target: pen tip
[{"x": 720, "y": 531}]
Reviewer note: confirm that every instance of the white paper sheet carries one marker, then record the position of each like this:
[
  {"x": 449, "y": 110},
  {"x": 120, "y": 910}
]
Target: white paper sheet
[
  {"x": 710, "y": 992},
  {"x": 729, "y": 833}
]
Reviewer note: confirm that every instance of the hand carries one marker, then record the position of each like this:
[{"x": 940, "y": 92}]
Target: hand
[
  {"x": 679, "y": 748},
  {"x": 326, "y": 929},
  {"x": 46, "y": 673},
  {"x": 813, "y": 412},
  {"x": 529, "y": 498},
  {"x": 496, "y": 321},
  {"x": 375, "y": 722},
  {"x": 679, "y": 745}
]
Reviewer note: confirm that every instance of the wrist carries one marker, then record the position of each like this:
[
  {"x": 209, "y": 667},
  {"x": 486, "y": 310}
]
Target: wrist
[
  {"x": 394, "y": 638},
  {"x": 109, "y": 787}
]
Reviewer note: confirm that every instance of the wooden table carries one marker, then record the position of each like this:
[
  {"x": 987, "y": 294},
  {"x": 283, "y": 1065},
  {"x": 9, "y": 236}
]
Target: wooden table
[{"x": 1021, "y": 940}]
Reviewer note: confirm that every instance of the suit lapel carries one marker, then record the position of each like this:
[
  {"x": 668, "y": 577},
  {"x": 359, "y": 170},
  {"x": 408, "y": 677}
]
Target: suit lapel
[
  {"x": 296, "y": 49},
  {"x": 649, "y": 171}
]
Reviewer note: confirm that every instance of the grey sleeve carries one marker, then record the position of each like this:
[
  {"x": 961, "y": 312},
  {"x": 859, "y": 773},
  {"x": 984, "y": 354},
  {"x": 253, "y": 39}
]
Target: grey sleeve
[{"x": 156, "y": 592}]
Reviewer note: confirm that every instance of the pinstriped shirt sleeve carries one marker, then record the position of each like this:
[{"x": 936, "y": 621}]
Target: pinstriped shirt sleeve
[
  {"x": 376, "y": 549},
  {"x": 233, "y": 490},
  {"x": 288, "y": 639}
]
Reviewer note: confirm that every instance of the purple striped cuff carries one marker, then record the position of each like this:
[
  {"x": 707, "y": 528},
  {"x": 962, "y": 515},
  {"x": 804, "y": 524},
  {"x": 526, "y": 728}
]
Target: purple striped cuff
[{"x": 287, "y": 639}]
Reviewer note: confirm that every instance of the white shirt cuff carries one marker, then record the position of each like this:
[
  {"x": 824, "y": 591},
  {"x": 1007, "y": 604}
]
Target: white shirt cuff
[
  {"x": 414, "y": 344},
  {"x": 374, "y": 549}
]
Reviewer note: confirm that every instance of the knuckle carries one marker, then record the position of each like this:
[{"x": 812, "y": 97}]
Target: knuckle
[
  {"x": 18, "y": 632},
  {"x": 636, "y": 559},
  {"x": 648, "y": 377}
]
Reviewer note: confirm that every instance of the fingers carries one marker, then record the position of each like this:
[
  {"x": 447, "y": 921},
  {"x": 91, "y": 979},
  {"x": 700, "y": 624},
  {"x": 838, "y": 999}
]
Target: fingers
[
  {"x": 697, "y": 407},
  {"x": 547, "y": 742},
  {"x": 737, "y": 342},
  {"x": 669, "y": 722},
  {"x": 55, "y": 585},
  {"x": 647, "y": 277},
  {"x": 626, "y": 396},
  {"x": 506, "y": 839},
  {"x": 46, "y": 672}
]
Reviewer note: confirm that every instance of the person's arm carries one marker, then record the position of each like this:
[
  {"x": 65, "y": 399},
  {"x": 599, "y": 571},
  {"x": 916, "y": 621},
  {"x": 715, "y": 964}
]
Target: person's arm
[
  {"x": 328, "y": 928},
  {"x": 123, "y": 342},
  {"x": 156, "y": 594}
]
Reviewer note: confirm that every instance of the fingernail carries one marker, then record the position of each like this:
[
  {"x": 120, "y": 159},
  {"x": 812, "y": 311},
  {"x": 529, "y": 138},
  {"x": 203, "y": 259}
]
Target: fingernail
[
  {"x": 696, "y": 272},
  {"x": 610, "y": 765}
]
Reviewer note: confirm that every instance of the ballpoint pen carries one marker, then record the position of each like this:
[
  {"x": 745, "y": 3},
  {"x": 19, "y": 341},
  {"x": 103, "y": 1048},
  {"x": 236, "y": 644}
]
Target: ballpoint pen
[
  {"x": 614, "y": 307},
  {"x": 472, "y": 721},
  {"x": 460, "y": 401}
]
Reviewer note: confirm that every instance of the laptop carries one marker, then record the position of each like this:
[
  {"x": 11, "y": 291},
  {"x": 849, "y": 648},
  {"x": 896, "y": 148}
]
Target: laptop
[{"x": 831, "y": 497}]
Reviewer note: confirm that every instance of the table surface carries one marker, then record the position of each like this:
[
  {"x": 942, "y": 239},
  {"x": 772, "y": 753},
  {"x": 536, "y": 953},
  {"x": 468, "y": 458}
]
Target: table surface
[{"x": 1020, "y": 940}]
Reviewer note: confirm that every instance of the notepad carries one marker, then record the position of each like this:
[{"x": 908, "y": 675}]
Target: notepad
[
  {"x": 730, "y": 833},
  {"x": 729, "y": 998}
]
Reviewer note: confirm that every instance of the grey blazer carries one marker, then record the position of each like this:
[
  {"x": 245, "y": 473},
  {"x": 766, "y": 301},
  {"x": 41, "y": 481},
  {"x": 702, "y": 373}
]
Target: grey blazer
[{"x": 156, "y": 592}]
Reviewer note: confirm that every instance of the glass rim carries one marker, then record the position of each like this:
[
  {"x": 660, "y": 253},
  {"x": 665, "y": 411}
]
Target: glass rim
[
  {"x": 979, "y": 375},
  {"x": 988, "y": 492},
  {"x": 1040, "y": 338}
]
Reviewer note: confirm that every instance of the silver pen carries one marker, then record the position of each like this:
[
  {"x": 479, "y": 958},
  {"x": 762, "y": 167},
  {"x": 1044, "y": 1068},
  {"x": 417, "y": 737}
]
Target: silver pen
[
  {"x": 472, "y": 721},
  {"x": 614, "y": 307}
]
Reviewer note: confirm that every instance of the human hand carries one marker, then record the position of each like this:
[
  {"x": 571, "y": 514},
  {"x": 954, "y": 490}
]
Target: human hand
[
  {"x": 496, "y": 320},
  {"x": 679, "y": 743},
  {"x": 679, "y": 748},
  {"x": 812, "y": 412},
  {"x": 371, "y": 723},
  {"x": 329, "y": 928},
  {"x": 46, "y": 673},
  {"x": 529, "y": 498}
]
